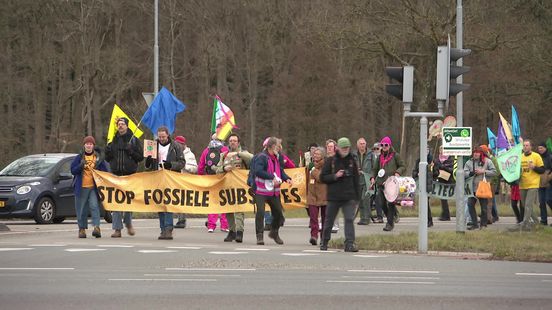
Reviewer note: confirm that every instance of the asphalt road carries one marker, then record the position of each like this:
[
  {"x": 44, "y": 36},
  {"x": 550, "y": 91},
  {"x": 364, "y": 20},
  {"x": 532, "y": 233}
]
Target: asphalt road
[{"x": 48, "y": 267}]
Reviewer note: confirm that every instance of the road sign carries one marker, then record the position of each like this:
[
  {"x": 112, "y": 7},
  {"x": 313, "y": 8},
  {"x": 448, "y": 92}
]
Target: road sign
[
  {"x": 457, "y": 141},
  {"x": 148, "y": 97}
]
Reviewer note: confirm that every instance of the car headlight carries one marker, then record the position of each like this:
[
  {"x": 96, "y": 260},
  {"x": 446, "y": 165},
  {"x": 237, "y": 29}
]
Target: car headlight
[{"x": 23, "y": 190}]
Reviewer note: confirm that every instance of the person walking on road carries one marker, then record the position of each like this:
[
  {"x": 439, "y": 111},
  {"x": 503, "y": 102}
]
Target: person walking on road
[
  {"x": 532, "y": 167},
  {"x": 316, "y": 194},
  {"x": 364, "y": 163}
]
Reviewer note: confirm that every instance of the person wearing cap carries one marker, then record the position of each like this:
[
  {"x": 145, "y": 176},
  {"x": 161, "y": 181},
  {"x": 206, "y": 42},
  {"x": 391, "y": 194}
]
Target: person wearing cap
[
  {"x": 235, "y": 158},
  {"x": 123, "y": 154},
  {"x": 170, "y": 157},
  {"x": 545, "y": 188},
  {"x": 341, "y": 174},
  {"x": 86, "y": 193},
  {"x": 478, "y": 167},
  {"x": 190, "y": 166},
  {"x": 532, "y": 167},
  {"x": 387, "y": 164}
]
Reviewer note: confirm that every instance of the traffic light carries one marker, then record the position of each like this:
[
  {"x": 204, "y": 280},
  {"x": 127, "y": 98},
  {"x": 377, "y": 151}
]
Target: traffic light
[
  {"x": 447, "y": 72},
  {"x": 405, "y": 76}
]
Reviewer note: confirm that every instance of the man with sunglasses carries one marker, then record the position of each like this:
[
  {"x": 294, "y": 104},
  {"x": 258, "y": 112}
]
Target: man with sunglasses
[{"x": 387, "y": 164}]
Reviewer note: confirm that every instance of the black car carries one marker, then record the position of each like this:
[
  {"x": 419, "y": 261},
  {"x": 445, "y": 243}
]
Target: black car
[{"x": 39, "y": 187}]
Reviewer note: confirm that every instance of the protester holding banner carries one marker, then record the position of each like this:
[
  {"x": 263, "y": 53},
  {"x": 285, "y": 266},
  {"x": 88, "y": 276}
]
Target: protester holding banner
[
  {"x": 235, "y": 158},
  {"x": 86, "y": 193},
  {"x": 443, "y": 167},
  {"x": 532, "y": 167},
  {"x": 388, "y": 163},
  {"x": 316, "y": 194},
  {"x": 269, "y": 174},
  {"x": 190, "y": 166},
  {"x": 545, "y": 189},
  {"x": 480, "y": 167},
  {"x": 170, "y": 157},
  {"x": 123, "y": 154},
  {"x": 341, "y": 173}
]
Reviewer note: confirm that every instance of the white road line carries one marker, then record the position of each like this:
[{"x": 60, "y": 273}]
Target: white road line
[
  {"x": 534, "y": 274},
  {"x": 37, "y": 268},
  {"x": 300, "y": 254},
  {"x": 184, "y": 247},
  {"x": 380, "y": 282},
  {"x": 115, "y": 246},
  {"x": 84, "y": 250},
  {"x": 189, "y": 275},
  {"x": 226, "y": 253},
  {"x": 210, "y": 269},
  {"x": 396, "y": 271},
  {"x": 370, "y": 256},
  {"x": 383, "y": 277},
  {"x": 318, "y": 251},
  {"x": 156, "y": 251},
  {"x": 14, "y": 249},
  {"x": 48, "y": 245},
  {"x": 171, "y": 280},
  {"x": 251, "y": 249},
  {"x": 547, "y": 281}
]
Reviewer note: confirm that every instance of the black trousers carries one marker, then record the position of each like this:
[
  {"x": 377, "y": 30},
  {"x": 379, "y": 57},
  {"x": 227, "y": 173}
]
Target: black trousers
[
  {"x": 389, "y": 207},
  {"x": 473, "y": 214},
  {"x": 275, "y": 209}
]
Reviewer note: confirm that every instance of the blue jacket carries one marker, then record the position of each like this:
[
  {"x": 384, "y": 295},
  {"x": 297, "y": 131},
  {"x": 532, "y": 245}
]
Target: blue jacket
[{"x": 77, "y": 167}]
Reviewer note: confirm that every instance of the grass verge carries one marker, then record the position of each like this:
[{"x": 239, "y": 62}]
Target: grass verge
[{"x": 534, "y": 246}]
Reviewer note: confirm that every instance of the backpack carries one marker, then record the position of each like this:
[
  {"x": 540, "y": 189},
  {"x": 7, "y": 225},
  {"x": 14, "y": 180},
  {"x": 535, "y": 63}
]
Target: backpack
[
  {"x": 212, "y": 159},
  {"x": 251, "y": 174}
]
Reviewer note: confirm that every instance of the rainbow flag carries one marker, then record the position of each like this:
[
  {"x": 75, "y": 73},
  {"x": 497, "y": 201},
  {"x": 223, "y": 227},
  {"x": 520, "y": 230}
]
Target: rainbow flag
[{"x": 223, "y": 120}]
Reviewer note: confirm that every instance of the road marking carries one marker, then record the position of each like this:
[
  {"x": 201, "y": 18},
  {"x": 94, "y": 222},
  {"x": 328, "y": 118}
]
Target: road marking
[
  {"x": 226, "y": 253},
  {"x": 547, "y": 281},
  {"x": 319, "y": 251},
  {"x": 210, "y": 269},
  {"x": 84, "y": 250},
  {"x": 172, "y": 280},
  {"x": 370, "y": 256},
  {"x": 300, "y": 254},
  {"x": 380, "y": 282},
  {"x": 156, "y": 251},
  {"x": 115, "y": 246},
  {"x": 14, "y": 249},
  {"x": 533, "y": 274},
  {"x": 184, "y": 247},
  {"x": 48, "y": 245},
  {"x": 251, "y": 249},
  {"x": 382, "y": 277},
  {"x": 396, "y": 271},
  {"x": 37, "y": 268},
  {"x": 189, "y": 275}
]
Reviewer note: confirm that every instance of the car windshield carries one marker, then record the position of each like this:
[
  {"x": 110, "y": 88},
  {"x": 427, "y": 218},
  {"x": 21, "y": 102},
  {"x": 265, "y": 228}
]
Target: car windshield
[{"x": 30, "y": 167}]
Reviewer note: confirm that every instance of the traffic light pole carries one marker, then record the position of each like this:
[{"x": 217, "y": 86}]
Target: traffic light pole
[
  {"x": 459, "y": 190},
  {"x": 422, "y": 172}
]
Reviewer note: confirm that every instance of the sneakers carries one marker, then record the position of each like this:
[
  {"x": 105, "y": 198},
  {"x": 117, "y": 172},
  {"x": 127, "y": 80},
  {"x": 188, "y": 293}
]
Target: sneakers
[
  {"x": 239, "y": 236},
  {"x": 351, "y": 248},
  {"x": 82, "y": 233},
  {"x": 130, "y": 230},
  {"x": 180, "y": 224},
  {"x": 224, "y": 229},
  {"x": 230, "y": 237},
  {"x": 116, "y": 234},
  {"x": 388, "y": 227},
  {"x": 335, "y": 229},
  {"x": 210, "y": 230},
  {"x": 312, "y": 241},
  {"x": 97, "y": 233},
  {"x": 319, "y": 227},
  {"x": 273, "y": 234}
]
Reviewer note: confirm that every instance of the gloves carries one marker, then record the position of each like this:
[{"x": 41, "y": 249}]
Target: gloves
[
  {"x": 149, "y": 161},
  {"x": 166, "y": 164}
]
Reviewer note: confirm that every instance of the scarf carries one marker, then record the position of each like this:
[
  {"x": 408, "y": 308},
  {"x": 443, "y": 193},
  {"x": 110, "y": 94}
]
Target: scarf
[{"x": 384, "y": 159}]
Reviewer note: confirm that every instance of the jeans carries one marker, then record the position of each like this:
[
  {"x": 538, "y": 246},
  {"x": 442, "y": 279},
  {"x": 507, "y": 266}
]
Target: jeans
[
  {"x": 235, "y": 221},
  {"x": 165, "y": 220},
  {"x": 473, "y": 214},
  {"x": 528, "y": 198},
  {"x": 275, "y": 209},
  {"x": 545, "y": 197},
  {"x": 348, "y": 208},
  {"x": 117, "y": 216},
  {"x": 313, "y": 215},
  {"x": 85, "y": 202}
]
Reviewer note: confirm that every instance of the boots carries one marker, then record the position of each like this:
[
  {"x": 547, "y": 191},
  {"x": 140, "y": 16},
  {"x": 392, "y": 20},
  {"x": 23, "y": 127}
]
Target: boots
[
  {"x": 130, "y": 230},
  {"x": 166, "y": 234},
  {"x": 239, "y": 236},
  {"x": 230, "y": 237},
  {"x": 324, "y": 245},
  {"x": 274, "y": 235},
  {"x": 260, "y": 239},
  {"x": 351, "y": 248},
  {"x": 162, "y": 236},
  {"x": 116, "y": 234},
  {"x": 82, "y": 233},
  {"x": 97, "y": 233}
]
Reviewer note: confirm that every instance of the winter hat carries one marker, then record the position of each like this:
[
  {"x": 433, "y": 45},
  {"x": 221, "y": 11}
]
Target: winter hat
[
  {"x": 124, "y": 119},
  {"x": 376, "y": 145},
  {"x": 484, "y": 148},
  {"x": 265, "y": 142},
  {"x": 543, "y": 144},
  {"x": 180, "y": 139},
  {"x": 343, "y": 142},
  {"x": 386, "y": 140},
  {"x": 89, "y": 139}
]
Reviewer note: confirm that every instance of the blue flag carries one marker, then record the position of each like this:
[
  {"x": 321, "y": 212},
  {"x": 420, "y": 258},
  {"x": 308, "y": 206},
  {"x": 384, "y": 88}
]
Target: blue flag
[
  {"x": 162, "y": 111},
  {"x": 516, "y": 129},
  {"x": 492, "y": 140}
]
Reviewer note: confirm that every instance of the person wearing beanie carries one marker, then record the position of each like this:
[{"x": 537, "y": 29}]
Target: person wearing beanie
[
  {"x": 169, "y": 157},
  {"x": 387, "y": 164},
  {"x": 86, "y": 192},
  {"x": 190, "y": 166},
  {"x": 478, "y": 167},
  {"x": 123, "y": 154},
  {"x": 545, "y": 189},
  {"x": 341, "y": 174}
]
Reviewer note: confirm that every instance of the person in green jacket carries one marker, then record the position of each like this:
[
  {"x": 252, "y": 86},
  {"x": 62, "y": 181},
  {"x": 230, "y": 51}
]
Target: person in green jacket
[{"x": 389, "y": 163}]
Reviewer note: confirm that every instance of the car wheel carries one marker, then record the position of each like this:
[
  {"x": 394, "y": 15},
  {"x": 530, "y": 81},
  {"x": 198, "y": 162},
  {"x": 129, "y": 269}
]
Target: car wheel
[
  {"x": 107, "y": 217},
  {"x": 44, "y": 211},
  {"x": 58, "y": 220}
]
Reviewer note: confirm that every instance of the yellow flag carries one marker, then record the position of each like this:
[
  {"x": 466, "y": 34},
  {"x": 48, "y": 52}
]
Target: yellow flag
[
  {"x": 507, "y": 129},
  {"x": 115, "y": 115}
]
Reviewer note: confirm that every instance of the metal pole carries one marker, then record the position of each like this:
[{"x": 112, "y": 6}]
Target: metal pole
[
  {"x": 460, "y": 205},
  {"x": 422, "y": 176},
  {"x": 156, "y": 52}
]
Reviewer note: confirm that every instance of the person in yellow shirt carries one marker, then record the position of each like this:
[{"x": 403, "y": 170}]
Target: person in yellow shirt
[
  {"x": 532, "y": 167},
  {"x": 86, "y": 193}
]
